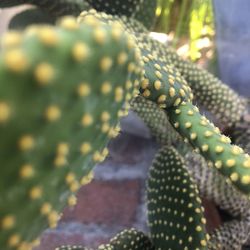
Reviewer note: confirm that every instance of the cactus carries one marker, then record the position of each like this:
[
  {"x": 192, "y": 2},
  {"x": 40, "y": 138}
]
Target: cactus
[
  {"x": 155, "y": 119},
  {"x": 226, "y": 105},
  {"x": 50, "y": 97},
  {"x": 174, "y": 208},
  {"x": 55, "y": 71},
  {"x": 57, "y": 8},
  {"x": 127, "y": 239},
  {"x": 240, "y": 132},
  {"x": 206, "y": 138},
  {"x": 162, "y": 83},
  {"x": 233, "y": 234},
  {"x": 165, "y": 87},
  {"x": 141, "y": 10},
  {"x": 44, "y": 12},
  {"x": 212, "y": 94},
  {"x": 30, "y": 17},
  {"x": 146, "y": 14}
]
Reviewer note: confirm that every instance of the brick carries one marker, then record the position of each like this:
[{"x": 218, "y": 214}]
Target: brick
[
  {"x": 74, "y": 234},
  {"x": 51, "y": 240},
  {"x": 110, "y": 203}
]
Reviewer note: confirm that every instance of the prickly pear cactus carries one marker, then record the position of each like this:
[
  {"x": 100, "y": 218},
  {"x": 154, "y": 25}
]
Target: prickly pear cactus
[
  {"x": 61, "y": 90},
  {"x": 57, "y": 8},
  {"x": 175, "y": 212},
  {"x": 60, "y": 94},
  {"x": 127, "y": 239}
]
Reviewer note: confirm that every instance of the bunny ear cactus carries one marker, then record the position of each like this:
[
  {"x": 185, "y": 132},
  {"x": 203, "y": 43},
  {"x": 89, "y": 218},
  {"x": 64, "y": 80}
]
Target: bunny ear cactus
[
  {"x": 162, "y": 84},
  {"x": 127, "y": 239},
  {"x": 230, "y": 160},
  {"x": 155, "y": 119},
  {"x": 215, "y": 187},
  {"x": 116, "y": 7},
  {"x": 231, "y": 236},
  {"x": 225, "y": 104},
  {"x": 147, "y": 13},
  {"x": 215, "y": 96},
  {"x": 30, "y": 17},
  {"x": 241, "y": 132},
  {"x": 56, "y": 8},
  {"x": 60, "y": 94},
  {"x": 166, "y": 87},
  {"x": 141, "y": 10},
  {"x": 175, "y": 212}
]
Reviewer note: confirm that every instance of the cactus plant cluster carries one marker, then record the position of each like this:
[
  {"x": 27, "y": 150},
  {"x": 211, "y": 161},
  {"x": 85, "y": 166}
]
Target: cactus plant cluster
[{"x": 62, "y": 92}]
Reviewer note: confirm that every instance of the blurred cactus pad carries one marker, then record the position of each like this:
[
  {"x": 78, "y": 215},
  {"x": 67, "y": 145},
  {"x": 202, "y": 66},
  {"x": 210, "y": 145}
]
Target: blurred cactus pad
[
  {"x": 61, "y": 92},
  {"x": 63, "y": 88}
]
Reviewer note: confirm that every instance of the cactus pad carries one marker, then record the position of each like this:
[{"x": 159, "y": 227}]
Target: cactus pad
[
  {"x": 155, "y": 119},
  {"x": 60, "y": 94},
  {"x": 129, "y": 239},
  {"x": 230, "y": 160},
  {"x": 56, "y": 8},
  {"x": 162, "y": 84},
  {"x": 175, "y": 212},
  {"x": 224, "y": 103}
]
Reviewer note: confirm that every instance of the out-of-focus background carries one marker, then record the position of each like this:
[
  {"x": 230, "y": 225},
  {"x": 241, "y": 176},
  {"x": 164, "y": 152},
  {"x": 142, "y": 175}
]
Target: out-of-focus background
[{"x": 214, "y": 34}]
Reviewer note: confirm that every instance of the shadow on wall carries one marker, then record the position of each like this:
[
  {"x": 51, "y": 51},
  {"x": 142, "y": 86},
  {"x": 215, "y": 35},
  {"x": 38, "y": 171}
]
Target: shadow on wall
[{"x": 232, "y": 22}]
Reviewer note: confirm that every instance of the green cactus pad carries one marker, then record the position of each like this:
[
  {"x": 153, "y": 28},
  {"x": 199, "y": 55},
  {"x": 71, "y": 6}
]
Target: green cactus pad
[
  {"x": 162, "y": 84},
  {"x": 155, "y": 119},
  {"x": 129, "y": 24},
  {"x": 230, "y": 160},
  {"x": 224, "y": 103},
  {"x": 241, "y": 132},
  {"x": 175, "y": 212},
  {"x": 117, "y": 7},
  {"x": 30, "y": 17},
  {"x": 147, "y": 13},
  {"x": 60, "y": 94},
  {"x": 56, "y": 8},
  {"x": 141, "y": 10},
  {"x": 214, "y": 186},
  {"x": 129, "y": 239},
  {"x": 230, "y": 236}
]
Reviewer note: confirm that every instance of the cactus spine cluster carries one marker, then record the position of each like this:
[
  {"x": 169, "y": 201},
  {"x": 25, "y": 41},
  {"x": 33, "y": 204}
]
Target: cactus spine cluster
[{"x": 62, "y": 89}]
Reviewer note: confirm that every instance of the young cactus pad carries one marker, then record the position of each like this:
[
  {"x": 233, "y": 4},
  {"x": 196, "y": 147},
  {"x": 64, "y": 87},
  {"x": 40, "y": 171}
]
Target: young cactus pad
[
  {"x": 162, "y": 83},
  {"x": 61, "y": 89},
  {"x": 175, "y": 212},
  {"x": 230, "y": 160},
  {"x": 224, "y": 103}
]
